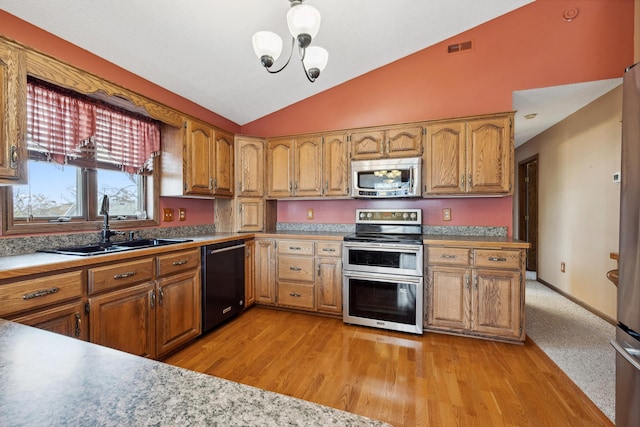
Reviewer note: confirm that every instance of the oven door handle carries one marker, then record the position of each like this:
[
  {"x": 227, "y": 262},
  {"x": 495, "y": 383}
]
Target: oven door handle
[
  {"x": 382, "y": 277},
  {"x": 383, "y": 246}
]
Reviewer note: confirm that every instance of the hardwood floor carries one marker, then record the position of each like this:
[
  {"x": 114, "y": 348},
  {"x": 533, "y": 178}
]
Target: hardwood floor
[{"x": 402, "y": 379}]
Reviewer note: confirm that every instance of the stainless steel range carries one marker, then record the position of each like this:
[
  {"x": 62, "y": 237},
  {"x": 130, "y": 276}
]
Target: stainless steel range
[{"x": 382, "y": 270}]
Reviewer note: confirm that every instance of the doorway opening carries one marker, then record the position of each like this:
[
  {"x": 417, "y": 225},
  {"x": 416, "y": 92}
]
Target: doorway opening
[{"x": 528, "y": 208}]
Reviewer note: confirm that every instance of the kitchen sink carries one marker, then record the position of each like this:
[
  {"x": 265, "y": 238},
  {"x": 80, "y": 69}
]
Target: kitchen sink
[{"x": 112, "y": 247}]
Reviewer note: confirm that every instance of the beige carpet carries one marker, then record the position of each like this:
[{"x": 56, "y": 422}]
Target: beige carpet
[{"x": 576, "y": 340}]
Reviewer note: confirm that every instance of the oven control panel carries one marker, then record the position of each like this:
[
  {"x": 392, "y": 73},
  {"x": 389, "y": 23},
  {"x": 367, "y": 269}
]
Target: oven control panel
[{"x": 385, "y": 216}]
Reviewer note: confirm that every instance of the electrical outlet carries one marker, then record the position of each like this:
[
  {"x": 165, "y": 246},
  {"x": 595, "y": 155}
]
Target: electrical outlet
[
  {"x": 446, "y": 214},
  {"x": 168, "y": 214},
  {"x": 182, "y": 214},
  {"x": 309, "y": 213}
]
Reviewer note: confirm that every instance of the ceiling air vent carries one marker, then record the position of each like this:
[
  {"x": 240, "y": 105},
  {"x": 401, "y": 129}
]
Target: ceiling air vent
[{"x": 459, "y": 47}]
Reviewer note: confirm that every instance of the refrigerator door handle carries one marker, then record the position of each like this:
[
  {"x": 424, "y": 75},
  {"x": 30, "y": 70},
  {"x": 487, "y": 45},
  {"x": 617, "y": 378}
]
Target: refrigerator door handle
[{"x": 627, "y": 354}]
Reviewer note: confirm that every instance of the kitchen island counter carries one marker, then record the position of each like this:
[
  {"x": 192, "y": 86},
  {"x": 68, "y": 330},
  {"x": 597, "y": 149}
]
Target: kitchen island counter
[{"x": 49, "y": 379}]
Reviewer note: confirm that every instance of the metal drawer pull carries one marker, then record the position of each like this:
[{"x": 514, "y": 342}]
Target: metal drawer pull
[
  {"x": 41, "y": 293},
  {"x": 294, "y": 294},
  {"x": 492, "y": 258},
  {"x": 295, "y": 268},
  {"x": 181, "y": 262},
  {"x": 329, "y": 250},
  {"x": 445, "y": 256},
  {"x": 295, "y": 248},
  {"x": 124, "y": 275}
]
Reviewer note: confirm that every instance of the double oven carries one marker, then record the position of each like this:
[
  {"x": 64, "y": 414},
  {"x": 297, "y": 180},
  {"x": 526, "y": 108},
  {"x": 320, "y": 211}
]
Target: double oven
[{"x": 382, "y": 270}]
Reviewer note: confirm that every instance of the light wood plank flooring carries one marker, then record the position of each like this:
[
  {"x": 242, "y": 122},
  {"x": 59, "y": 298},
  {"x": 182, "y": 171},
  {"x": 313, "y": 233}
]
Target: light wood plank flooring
[{"x": 402, "y": 379}]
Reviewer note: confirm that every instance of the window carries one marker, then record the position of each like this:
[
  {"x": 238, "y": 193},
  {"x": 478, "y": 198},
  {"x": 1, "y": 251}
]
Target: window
[{"x": 79, "y": 150}]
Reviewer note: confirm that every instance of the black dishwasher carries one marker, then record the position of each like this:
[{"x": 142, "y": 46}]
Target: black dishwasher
[{"x": 222, "y": 282}]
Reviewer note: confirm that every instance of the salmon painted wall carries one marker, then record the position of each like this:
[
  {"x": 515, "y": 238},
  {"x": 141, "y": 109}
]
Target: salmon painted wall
[{"x": 531, "y": 47}]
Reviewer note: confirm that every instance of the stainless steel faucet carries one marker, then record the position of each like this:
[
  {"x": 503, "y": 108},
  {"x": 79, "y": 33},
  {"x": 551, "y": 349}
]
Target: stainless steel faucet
[{"x": 106, "y": 231}]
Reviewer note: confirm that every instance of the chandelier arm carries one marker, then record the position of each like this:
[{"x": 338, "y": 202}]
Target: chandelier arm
[{"x": 288, "y": 60}]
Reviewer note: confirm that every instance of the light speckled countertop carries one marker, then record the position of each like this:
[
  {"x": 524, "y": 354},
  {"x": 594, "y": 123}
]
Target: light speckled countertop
[{"x": 48, "y": 379}]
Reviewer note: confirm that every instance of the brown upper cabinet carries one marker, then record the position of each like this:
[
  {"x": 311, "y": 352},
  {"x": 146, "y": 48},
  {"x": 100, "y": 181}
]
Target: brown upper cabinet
[
  {"x": 378, "y": 143},
  {"x": 249, "y": 166},
  {"x": 204, "y": 167},
  {"x": 13, "y": 104},
  {"x": 469, "y": 157},
  {"x": 294, "y": 167},
  {"x": 335, "y": 165}
]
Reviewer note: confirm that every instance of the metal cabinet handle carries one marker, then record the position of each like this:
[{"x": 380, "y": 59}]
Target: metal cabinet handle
[
  {"x": 469, "y": 181},
  {"x": 210, "y": 183},
  {"x": 295, "y": 268},
  {"x": 295, "y": 294},
  {"x": 181, "y": 262},
  {"x": 466, "y": 281},
  {"x": 41, "y": 293},
  {"x": 153, "y": 299},
  {"x": 78, "y": 322},
  {"x": 161, "y": 299},
  {"x": 493, "y": 258},
  {"x": 14, "y": 157},
  {"x": 124, "y": 275},
  {"x": 475, "y": 283},
  {"x": 462, "y": 182}
]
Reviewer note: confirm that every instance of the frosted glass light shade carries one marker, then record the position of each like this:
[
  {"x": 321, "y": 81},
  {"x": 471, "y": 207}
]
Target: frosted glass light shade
[
  {"x": 303, "y": 19},
  {"x": 316, "y": 57},
  {"x": 266, "y": 43}
]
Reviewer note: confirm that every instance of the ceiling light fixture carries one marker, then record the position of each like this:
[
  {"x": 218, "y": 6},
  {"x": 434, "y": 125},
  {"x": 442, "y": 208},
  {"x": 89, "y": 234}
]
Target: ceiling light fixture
[{"x": 304, "y": 23}]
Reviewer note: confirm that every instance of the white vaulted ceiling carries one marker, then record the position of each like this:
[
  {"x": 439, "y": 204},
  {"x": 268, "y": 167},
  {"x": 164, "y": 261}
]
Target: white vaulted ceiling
[{"x": 201, "y": 49}]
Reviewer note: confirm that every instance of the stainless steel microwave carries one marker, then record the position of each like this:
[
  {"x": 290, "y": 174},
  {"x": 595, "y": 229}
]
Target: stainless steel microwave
[{"x": 386, "y": 178}]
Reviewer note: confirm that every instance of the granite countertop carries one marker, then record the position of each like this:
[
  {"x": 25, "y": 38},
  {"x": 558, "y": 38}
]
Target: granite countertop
[{"x": 49, "y": 379}]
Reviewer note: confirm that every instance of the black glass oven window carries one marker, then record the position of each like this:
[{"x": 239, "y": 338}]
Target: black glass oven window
[
  {"x": 382, "y": 259},
  {"x": 384, "y": 180},
  {"x": 390, "y": 301}
]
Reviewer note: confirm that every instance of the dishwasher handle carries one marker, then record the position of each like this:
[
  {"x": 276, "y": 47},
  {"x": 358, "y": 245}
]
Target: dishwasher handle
[{"x": 230, "y": 248}]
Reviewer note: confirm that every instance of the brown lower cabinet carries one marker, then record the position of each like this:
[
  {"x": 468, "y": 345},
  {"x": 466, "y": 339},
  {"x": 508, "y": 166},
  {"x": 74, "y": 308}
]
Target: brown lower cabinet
[
  {"x": 144, "y": 311},
  {"x": 475, "y": 292},
  {"x": 299, "y": 274},
  {"x": 67, "y": 319}
]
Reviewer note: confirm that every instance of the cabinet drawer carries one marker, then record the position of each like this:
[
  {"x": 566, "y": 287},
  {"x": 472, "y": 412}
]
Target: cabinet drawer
[
  {"x": 297, "y": 269},
  {"x": 295, "y": 295},
  {"x": 29, "y": 294},
  {"x": 448, "y": 256},
  {"x": 497, "y": 258},
  {"x": 177, "y": 262},
  {"x": 329, "y": 249},
  {"x": 295, "y": 247},
  {"x": 120, "y": 275}
]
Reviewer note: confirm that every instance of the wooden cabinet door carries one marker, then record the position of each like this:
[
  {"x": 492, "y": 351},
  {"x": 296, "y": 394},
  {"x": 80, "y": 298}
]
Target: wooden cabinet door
[
  {"x": 178, "y": 311},
  {"x": 125, "y": 320},
  {"x": 329, "y": 285},
  {"x": 250, "y": 166},
  {"x": 489, "y": 156},
  {"x": 67, "y": 319},
  {"x": 367, "y": 144},
  {"x": 265, "y": 271},
  {"x": 404, "y": 142},
  {"x": 496, "y": 303},
  {"x": 13, "y": 103},
  {"x": 444, "y": 169},
  {"x": 199, "y": 158},
  {"x": 307, "y": 164},
  {"x": 448, "y": 301},
  {"x": 249, "y": 274},
  {"x": 223, "y": 169},
  {"x": 279, "y": 168},
  {"x": 250, "y": 214},
  {"x": 335, "y": 165}
]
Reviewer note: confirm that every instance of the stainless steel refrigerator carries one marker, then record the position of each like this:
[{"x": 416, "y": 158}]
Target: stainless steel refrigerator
[{"x": 627, "y": 342}]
